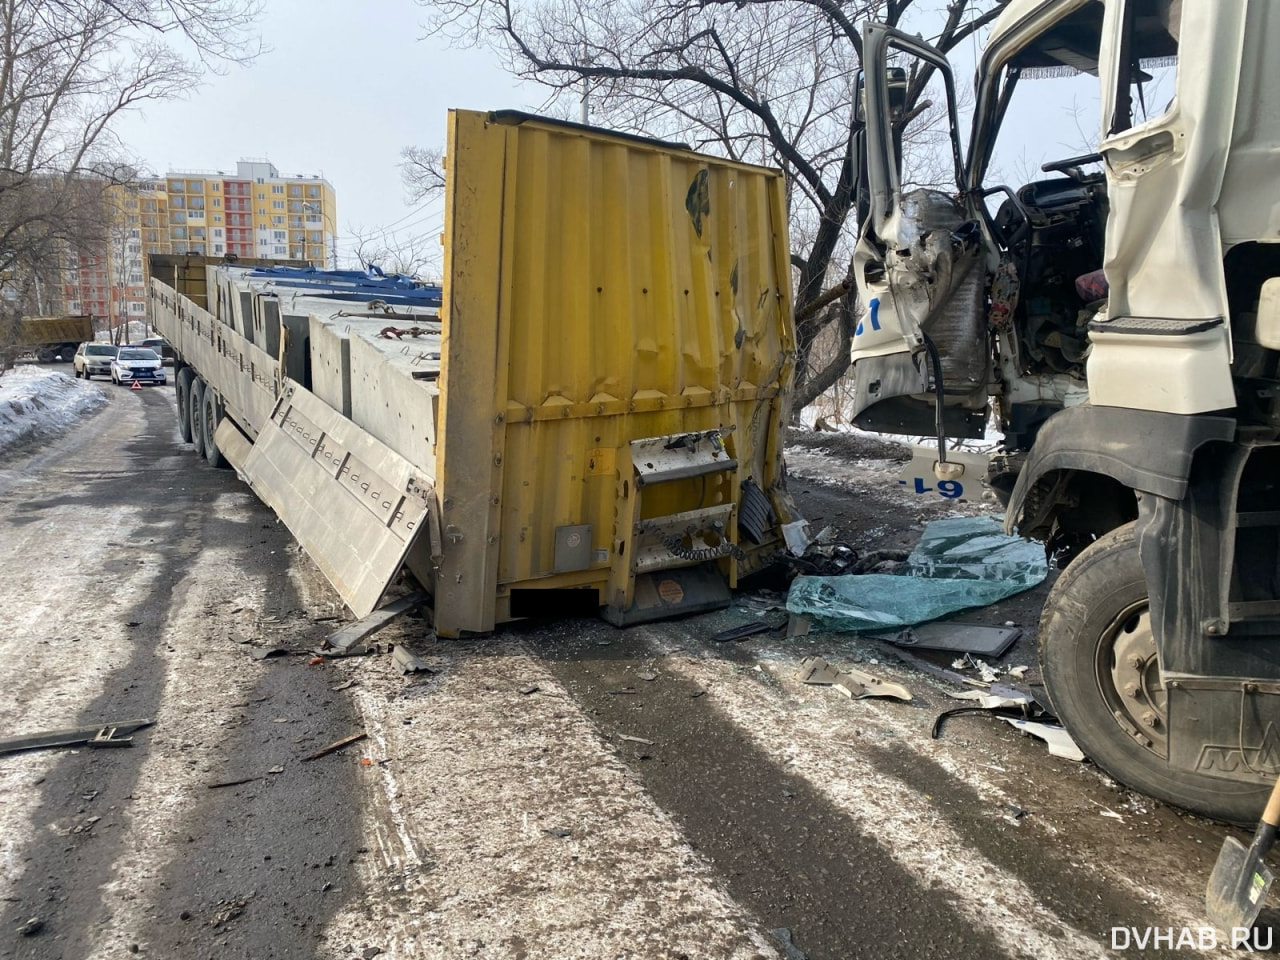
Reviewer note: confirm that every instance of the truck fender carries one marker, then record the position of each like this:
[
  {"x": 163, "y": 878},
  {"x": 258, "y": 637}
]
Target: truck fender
[{"x": 1143, "y": 450}]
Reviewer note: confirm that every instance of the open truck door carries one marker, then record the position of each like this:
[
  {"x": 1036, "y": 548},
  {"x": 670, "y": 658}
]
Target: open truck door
[{"x": 922, "y": 352}]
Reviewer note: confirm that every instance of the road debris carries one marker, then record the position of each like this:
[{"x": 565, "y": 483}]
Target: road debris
[
  {"x": 231, "y": 783},
  {"x": 1059, "y": 741},
  {"x": 228, "y": 910},
  {"x": 630, "y": 739},
  {"x": 349, "y": 640},
  {"x": 343, "y": 686},
  {"x": 268, "y": 653},
  {"x": 960, "y": 562},
  {"x": 409, "y": 662},
  {"x": 855, "y": 684},
  {"x": 789, "y": 948},
  {"x": 949, "y": 635},
  {"x": 986, "y": 672},
  {"x": 743, "y": 631},
  {"x": 31, "y": 927},
  {"x": 336, "y": 745},
  {"x": 97, "y": 735},
  {"x": 562, "y": 833},
  {"x": 647, "y": 675}
]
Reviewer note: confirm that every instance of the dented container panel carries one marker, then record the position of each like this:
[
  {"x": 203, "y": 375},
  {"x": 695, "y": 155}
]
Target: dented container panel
[{"x": 601, "y": 289}]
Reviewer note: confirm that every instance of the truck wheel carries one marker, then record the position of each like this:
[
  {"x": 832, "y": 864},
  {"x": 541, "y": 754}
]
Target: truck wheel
[
  {"x": 1098, "y": 660},
  {"x": 182, "y": 394},
  {"x": 209, "y": 421},
  {"x": 195, "y": 404}
]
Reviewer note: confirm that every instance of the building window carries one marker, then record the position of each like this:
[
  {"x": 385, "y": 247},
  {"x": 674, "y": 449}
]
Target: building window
[
  {"x": 279, "y": 251},
  {"x": 217, "y": 248},
  {"x": 313, "y": 191},
  {"x": 195, "y": 186},
  {"x": 217, "y": 201},
  {"x": 261, "y": 194},
  {"x": 217, "y": 218},
  {"x": 277, "y": 188},
  {"x": 262, "y": 211},
  {"x": 277, "y": 204},
  {"x": 217, "y": 233}
]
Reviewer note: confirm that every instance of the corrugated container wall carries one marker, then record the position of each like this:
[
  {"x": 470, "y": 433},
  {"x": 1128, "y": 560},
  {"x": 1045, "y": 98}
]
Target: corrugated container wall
[{"x": 600, "y": 289}]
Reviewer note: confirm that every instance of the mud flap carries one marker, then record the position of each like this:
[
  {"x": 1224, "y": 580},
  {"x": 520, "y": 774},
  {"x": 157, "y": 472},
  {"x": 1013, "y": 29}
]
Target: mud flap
[{"x": 354, "y": 504}]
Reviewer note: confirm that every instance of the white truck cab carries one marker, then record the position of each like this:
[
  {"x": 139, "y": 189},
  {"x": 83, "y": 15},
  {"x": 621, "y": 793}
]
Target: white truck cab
[{"x": 1118, "y": 319}]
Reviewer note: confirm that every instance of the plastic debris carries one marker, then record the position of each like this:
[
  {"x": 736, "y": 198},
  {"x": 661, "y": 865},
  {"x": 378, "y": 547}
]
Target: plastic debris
[
  {"x": 854, "y": 684},
  {"x": 952, "y": 635},
  {"x": 959, "y": 563},
  {"x": 1059, "y": 741}
]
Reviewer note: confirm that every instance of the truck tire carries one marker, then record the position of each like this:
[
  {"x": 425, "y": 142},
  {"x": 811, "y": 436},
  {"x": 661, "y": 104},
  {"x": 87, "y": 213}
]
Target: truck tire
[
  {"x": 182, "y": 395},
  {"x": 209, "y": 420},
  {"x": 1098, "y": 661},
  {"x": 195, "y": 404}
]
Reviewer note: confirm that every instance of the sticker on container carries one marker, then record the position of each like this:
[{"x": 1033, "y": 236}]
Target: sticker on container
[{"x": 670, "y": 591}]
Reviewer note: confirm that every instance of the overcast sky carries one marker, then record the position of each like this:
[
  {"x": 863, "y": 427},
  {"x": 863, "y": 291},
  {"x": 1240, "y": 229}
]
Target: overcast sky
[{"x": 345, "y": 86}]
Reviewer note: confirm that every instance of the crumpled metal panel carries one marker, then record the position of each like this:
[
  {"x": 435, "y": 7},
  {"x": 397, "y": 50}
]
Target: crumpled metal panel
[{"x": 354, "y": 504}]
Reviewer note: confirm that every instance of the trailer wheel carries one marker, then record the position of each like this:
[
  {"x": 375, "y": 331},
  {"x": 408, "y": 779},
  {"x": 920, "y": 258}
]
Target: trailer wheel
[
  {"x": 182, "y": 394},
  {"x": 195, "y": 406},
  {"x": 209, "y": 420},
  {"x": 1098, "y": 660}
]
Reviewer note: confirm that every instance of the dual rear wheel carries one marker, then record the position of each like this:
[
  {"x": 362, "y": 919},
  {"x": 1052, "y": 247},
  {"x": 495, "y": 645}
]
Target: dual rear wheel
[{"x": 199, "y": 413}]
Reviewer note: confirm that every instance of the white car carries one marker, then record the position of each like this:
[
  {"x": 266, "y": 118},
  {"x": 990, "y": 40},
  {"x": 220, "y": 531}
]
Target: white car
[
  {"x": 94, "y": 359},
  {"x": 137, "y": 364}
]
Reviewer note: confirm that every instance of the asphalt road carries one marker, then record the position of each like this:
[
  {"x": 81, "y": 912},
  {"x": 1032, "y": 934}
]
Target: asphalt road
[{"x": 560, "y": 789}]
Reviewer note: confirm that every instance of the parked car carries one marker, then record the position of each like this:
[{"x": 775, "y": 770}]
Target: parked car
[
  {"x": 94, "y": 359},
  {"x": 137, "y": 363},
  {"x": 161, "y": 346}
]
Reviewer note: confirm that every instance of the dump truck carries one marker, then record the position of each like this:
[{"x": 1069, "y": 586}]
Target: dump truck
[
  {"x": 1117, "y": 320},
  {"x": 586, "y": 414},
  {"x": 50, "y": 339}
]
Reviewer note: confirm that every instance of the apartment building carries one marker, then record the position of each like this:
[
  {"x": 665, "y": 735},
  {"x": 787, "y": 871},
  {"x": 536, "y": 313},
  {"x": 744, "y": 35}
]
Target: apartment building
[{"x": 255, "y": 213}]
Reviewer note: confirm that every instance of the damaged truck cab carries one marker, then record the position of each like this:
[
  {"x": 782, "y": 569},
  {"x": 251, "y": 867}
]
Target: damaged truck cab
[{"x": 1118, "y": 319}]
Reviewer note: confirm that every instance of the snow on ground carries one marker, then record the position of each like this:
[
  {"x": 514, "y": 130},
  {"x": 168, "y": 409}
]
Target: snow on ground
[{"x": 36, "y": 402}]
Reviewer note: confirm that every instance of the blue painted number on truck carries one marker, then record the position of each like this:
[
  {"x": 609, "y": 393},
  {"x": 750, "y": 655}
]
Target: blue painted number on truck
[{"x": 951, "y": 489}]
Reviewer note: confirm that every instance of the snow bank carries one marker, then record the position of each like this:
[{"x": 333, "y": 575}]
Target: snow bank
[{"x": 36, "y": 402}]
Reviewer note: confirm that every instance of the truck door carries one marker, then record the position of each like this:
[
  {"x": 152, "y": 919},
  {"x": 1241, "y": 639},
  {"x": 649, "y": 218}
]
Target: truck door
[{"x": 921, "y": 352}]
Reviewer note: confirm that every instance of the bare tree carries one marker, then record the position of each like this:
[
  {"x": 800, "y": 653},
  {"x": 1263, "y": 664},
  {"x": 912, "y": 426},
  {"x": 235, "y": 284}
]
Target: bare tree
[
  {"x": 411, "y": 252},
  {"x": 68, "y": 70},
  {"x": 764, "y": 81}
]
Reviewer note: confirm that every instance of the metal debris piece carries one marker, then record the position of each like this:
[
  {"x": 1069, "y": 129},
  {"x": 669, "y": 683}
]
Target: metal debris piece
[
  {"x": 31, "y": 927},
  {"x": 344, "y": 686},
  {"x": 1059, "y": 741},
  {"x": 783, "y": 936},
  {"x": 410, "y": 662},
  {"x": 647, "y": 675},
  {"x": 231, "y": 783},
  {"x": 817, "y": 672},
  {"x": 854, "y": 684},
  {"x": 343, "y": 642},
  {"x": 994, "y": 697},
  {"x": 268, "y": 653},
  {"x": 745, "y": 630},
  {"x": 336, "y": 745},
  {"x": 949, "y": 635},
  {"x": 630, "y": 739},
  {"x": 560, "y": 832},
  {"x": 797, "y": 626},
  {"x": 859, "y": 685},
  {"x": 529, "y": 688},
  {"x": 796, "y": 538},
  {"x": 98, "y": 735}
]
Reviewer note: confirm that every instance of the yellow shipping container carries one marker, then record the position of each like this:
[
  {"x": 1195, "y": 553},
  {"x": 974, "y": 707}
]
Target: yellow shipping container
[{"x": 604, "y": 412}]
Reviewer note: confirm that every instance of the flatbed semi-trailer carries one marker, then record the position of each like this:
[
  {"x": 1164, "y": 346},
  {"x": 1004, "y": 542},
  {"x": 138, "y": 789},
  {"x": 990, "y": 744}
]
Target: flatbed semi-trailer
[{"x": 587, "y": 411}]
